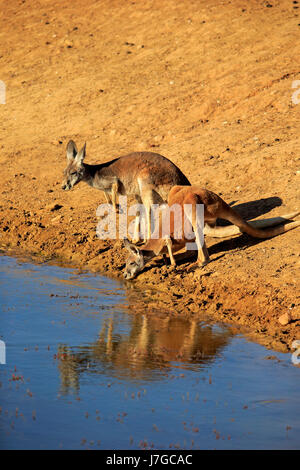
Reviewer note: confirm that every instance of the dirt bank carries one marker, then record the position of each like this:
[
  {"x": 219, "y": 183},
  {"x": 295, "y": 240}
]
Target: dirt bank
[{"x": 208, "y": 85}]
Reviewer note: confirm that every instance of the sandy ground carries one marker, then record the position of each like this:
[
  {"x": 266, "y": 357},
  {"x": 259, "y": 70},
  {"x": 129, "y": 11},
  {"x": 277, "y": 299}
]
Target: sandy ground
[{"x": 208, "y": 85}]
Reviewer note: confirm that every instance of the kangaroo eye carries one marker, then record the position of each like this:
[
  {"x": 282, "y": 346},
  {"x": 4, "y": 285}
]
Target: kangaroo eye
[{"x": 74, "y": 173}]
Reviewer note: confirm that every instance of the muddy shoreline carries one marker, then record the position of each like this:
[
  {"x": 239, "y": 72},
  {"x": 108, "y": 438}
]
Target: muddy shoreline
[
  {"x": 198, "y": 293},
  {"x": 208, "y": 86}
]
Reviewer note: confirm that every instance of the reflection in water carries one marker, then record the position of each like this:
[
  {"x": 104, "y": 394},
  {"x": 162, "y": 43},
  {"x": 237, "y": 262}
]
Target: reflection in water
[
  {"x": 146, "y": 377},
  {"x": 148, "y": 346}
]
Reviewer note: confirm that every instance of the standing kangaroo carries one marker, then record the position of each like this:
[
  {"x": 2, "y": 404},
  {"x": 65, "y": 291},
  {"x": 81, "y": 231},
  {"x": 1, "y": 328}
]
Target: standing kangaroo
[
  {"x": 214, "y": 207},
  {"x": 146, "y": 176}
]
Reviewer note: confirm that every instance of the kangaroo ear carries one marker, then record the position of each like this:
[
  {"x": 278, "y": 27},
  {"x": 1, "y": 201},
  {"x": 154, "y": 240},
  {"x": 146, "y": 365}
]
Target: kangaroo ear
[
  {"x": 131, "y": 247},
  {"x": 71, "y": 150},
  {"x": 80, "y": 156}
]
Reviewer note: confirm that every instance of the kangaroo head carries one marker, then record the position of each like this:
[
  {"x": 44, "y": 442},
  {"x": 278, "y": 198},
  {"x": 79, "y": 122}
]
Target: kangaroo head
[
  {"x": 74, "y": 172},
  {"x": 135, "y": 261}
]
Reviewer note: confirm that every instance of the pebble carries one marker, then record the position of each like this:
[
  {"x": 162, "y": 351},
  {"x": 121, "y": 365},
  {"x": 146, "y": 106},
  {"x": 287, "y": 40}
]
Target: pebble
[
  {"x": 68, "y": 43},
  {"x": 54, "y": 207},
  {"x": 284, "y": 319},
  {"x": 287, "y": 317},
  {"x": 57, "y": 218}
]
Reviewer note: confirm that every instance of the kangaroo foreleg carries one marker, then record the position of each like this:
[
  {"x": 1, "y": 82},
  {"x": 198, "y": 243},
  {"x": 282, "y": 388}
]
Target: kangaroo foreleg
[
  {"x": 169, "y": 246},
  {"x": 108, "y": 198},
  {"x": 136, "y": 234},
  {"x": 114, "y": 192}
]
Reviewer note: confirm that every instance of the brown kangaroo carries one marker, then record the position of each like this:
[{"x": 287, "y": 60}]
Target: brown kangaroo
[
  {"x": 146, "y": 176},
  {"x": 214, "y": 207}
]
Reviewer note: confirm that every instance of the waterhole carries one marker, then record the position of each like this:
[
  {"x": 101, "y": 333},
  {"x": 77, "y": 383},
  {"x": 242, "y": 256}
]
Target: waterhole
[{"x": 88, "y": 367}]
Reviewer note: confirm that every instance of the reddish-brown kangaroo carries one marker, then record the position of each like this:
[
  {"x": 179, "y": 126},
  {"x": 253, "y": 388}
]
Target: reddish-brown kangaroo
[{"x": 214, "y": 207}]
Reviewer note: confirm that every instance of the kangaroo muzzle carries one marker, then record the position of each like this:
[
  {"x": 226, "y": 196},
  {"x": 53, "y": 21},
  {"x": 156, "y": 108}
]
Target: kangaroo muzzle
[{"x": 128, "y": 275}]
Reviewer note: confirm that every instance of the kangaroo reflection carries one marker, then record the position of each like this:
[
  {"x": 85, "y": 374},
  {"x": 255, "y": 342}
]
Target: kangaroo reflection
[{"x": 146, "y": 350}]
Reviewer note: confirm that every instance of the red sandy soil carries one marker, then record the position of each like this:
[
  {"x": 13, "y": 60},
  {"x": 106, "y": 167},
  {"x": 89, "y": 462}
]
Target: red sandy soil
[{"x": 208, "y": 85}]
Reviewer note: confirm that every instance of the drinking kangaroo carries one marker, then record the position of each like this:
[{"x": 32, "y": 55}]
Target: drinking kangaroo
[
  {"x": 145, "y": 175},
  {"x": 214, "y": 207}
]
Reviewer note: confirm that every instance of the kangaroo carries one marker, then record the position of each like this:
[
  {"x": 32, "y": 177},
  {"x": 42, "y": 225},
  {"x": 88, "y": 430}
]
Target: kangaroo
[
  {"x": 214, "y": 207},
  {"x": 147, "y": 176}
]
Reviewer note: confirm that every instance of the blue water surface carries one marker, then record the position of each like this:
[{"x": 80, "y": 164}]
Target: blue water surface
[{"x": 86, "y": 367}]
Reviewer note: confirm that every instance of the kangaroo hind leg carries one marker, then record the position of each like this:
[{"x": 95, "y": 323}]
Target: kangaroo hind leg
[
  {"x": 170, "y": 252},
  {"x": 147, "y": 196},
  {"x": 196, "y": 218}
]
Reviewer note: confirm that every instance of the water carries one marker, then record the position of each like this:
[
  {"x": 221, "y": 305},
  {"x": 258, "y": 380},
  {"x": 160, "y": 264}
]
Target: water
[{"x": 86, "y": 368}]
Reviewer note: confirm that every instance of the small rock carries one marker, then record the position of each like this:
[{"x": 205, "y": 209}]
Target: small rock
[
  {"x": 57, "y": 218},
  {"x": 272, "y": 358},
  {"x": 285, "y": 318},
  {"x": 68, "y": 43},
  {"x": 54, "y": 207}
]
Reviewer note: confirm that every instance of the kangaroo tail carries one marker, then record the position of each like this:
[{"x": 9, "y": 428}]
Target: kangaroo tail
[{"x": 253, "y": 228}]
